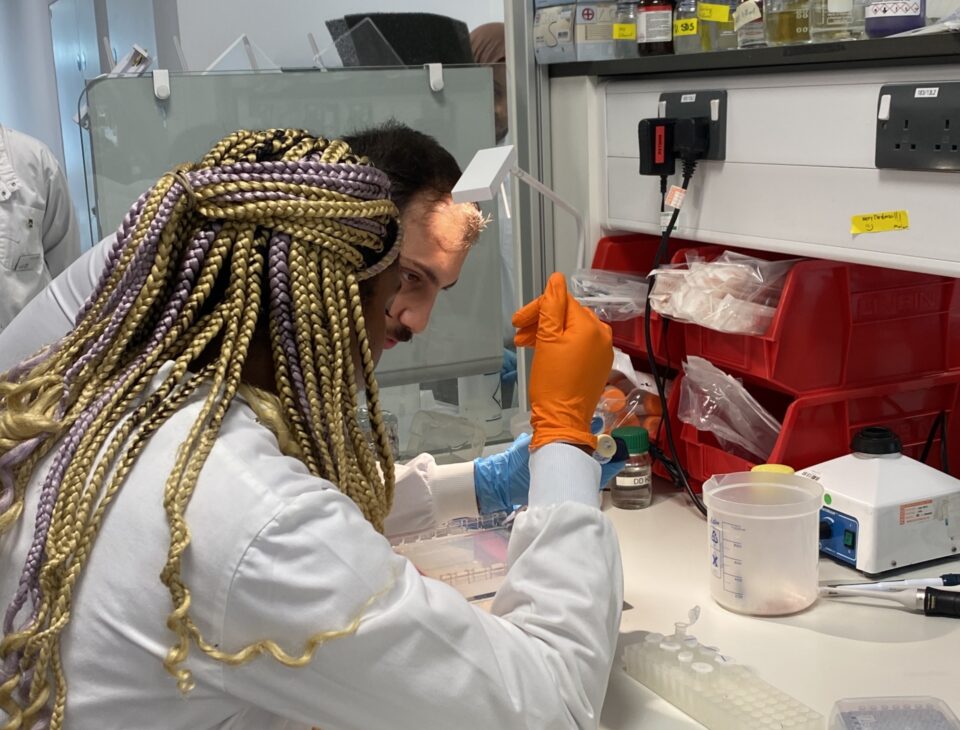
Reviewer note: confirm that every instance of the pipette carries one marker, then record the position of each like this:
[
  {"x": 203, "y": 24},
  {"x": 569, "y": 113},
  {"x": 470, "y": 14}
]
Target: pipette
[
  {"x": 928, "y": 600},
  {"x": 947, "y": 579}
]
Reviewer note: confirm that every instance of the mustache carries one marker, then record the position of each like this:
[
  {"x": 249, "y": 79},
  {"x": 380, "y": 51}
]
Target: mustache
[{"x": 401, "y": 333}]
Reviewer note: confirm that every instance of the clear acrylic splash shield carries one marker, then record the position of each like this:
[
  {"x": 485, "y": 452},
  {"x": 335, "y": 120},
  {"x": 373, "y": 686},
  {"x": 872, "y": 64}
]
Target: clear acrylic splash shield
[{"x": 763, "y": 542}]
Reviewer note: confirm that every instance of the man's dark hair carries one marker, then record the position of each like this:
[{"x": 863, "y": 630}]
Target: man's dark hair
[{"x": 415, "y": 162}]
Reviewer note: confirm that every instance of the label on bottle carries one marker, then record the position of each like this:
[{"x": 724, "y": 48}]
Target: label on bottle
[
  {"x": 687, "y": 26},
  {"x": 595, "y": 22},
  {"x": 654, "y": 24},
  {"x": 746, "y": 13},
  {"x": 633, "y": 482},
  {"x": 842, "y": 7},
  {"x": 624, "y": 31},
  {"x": 713, "y": 12},
  {"x": 553, "y": 34},
  {"x": 893, "y": 9}
]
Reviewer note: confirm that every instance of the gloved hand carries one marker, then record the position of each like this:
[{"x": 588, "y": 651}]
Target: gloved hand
[
  {"x": 574, "y": 352},
  {"x": 609, "y": 470},
  {"x": 508, "y": 371},
  {"x": 503, "y": 480}
]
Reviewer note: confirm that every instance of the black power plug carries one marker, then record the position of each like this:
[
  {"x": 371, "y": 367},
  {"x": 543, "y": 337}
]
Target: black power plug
[
  {"x": 656, "y": 139},
  {"x": 691, "y": 138}
]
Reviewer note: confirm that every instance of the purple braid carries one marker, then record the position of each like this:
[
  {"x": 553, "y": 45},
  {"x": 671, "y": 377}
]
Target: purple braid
[
  {"x": 129, "y": 287},
  {"x": 190, "y": 267},
  {"x": 281, "y": 302},
  {"x": 122, "y": 239}
]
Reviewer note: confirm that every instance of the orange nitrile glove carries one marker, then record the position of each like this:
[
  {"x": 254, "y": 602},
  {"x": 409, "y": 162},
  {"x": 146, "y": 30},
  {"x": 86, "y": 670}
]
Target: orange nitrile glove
[{"x": 574, "y": 352}]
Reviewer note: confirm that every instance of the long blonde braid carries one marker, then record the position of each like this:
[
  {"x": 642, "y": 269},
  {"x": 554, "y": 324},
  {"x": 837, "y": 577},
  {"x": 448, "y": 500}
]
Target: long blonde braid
[{"x": 278, "y": 224}]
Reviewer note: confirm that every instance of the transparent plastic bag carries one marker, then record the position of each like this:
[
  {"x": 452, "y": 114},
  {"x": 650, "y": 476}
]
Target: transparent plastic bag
[
  {"x": 733, "y": 293},
  {"x": 630, "y": 399},
  {"x": 613, "y": 297},
  {"x": 711, "y": 400}
]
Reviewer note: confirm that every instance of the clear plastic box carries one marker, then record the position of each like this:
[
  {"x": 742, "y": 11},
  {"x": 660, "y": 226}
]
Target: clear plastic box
[
  {"x": 469, "y": 555},
  {"x": 892, "y": 713}
]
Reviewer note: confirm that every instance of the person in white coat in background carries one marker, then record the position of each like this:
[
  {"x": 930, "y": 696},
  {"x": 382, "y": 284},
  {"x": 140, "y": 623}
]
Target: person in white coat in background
[
  {"x": 437, "y": 236},
  {"x": 191, "y": 519},
  {"x": 39, "y": 237}
]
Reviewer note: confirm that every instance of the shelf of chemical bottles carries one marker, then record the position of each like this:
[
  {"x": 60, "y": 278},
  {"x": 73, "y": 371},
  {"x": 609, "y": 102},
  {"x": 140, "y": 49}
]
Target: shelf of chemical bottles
[{"x": 942, "y": 48}]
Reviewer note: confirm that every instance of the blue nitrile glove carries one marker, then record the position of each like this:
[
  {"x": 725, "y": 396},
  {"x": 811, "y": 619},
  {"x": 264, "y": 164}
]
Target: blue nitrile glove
[
  {"x": 609, "y": 470},
  {"x": 508, "y": 370},
  {"x": 503, "y": 480}
]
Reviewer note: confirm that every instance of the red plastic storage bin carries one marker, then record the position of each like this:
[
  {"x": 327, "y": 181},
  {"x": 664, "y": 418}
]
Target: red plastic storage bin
[
  {"x": 819, "y": 426},
  {"x": 842, "y": 325},
  {"x": 634, "y": 254}
]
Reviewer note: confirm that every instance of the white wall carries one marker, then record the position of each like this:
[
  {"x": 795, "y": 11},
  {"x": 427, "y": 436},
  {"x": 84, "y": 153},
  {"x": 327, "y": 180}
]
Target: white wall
[
  {"x": 28, "y": 86},
  {"x": 799, "y": 164},
  {"x": 280, "y": 27}
]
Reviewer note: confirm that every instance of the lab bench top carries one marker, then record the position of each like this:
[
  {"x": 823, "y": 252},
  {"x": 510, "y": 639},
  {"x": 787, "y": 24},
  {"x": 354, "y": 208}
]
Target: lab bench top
[{"x": 832, "y": 650}]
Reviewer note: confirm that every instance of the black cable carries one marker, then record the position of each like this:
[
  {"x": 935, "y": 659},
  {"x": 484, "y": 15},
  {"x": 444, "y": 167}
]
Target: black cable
[
  {"x": 944, "y": 442},
  {"x": 689, "y": 167},
  {"x": 938, "y": 423}
]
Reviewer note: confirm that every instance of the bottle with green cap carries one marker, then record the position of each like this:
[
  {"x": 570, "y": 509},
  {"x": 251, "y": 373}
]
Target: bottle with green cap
[{"x": 633, "y": 486}]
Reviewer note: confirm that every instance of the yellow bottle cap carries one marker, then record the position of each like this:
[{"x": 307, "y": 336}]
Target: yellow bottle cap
[{"x": 773, "y": 468}]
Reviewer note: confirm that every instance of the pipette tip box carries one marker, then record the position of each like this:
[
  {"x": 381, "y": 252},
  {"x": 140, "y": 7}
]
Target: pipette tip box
[{"x": 892, "y": 713}]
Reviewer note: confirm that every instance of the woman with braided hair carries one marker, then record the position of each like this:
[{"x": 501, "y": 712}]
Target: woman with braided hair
[{"x": 190, "y": 515}]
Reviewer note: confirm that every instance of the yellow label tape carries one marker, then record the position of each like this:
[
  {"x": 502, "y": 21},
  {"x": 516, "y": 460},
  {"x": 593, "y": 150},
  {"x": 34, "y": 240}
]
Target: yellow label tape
[
  {"x": 687, "y": 26},
  {"x": 889, "y": 220},
  {"x": 714, "y": 13},
  {"x": 624, "y": 31}
]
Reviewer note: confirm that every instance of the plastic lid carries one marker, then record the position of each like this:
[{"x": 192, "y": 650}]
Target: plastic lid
[
  {"x": 773, "y": 468},
  {"x": 876, "y": 440},
  {"x": 635, "y": 437}
]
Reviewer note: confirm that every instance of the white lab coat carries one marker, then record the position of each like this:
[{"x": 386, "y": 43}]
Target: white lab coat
[
  {"x": 39, "y": 237},
  {"x": 277, "y": 553}
]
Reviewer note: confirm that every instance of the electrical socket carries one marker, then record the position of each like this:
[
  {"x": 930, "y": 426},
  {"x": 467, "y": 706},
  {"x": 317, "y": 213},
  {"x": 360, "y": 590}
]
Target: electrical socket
[
  {"x": 711, "y": 105},
  {"x": 918, "y": 127}
]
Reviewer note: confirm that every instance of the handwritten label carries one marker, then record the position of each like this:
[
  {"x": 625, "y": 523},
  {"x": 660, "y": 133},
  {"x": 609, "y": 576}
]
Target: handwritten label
[
  {"x": 916, "y": 512},
  {"x": 713, "y": 13},
  {"x": 675, "y": 196},
  {"x": 624, "y": 31},
  {"x": 687, "y": 26},
  {"x": 746, "y": 13},
  {"x": 890, "y": 220}
]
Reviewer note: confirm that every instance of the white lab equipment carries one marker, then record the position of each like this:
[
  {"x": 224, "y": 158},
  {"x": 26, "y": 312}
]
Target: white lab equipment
[
  {"x": 485, "y": 173},
  {"x": 762, "y": 541},
  {"x": 710, "y": 687},
  {"x": 883, "y": 510},
  {"x": 927, "y": 600}
]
